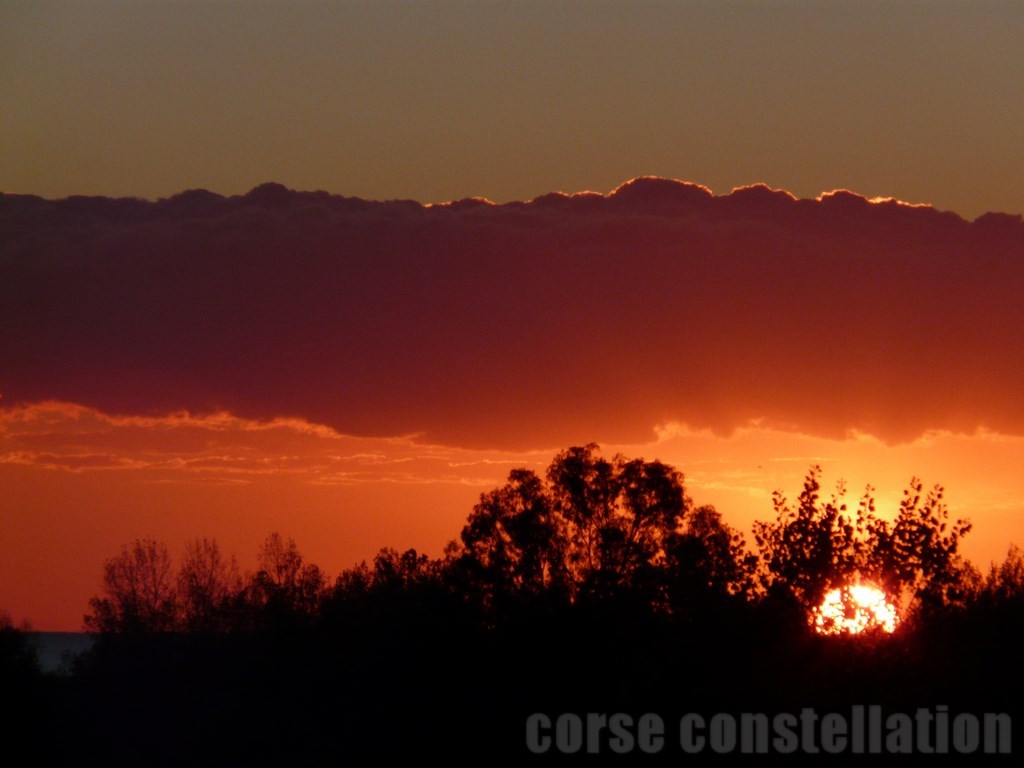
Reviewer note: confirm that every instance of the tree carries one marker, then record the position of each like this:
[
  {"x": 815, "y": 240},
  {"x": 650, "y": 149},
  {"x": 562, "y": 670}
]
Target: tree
[
  {"x": 207, "y": 586},
  {"x": 922, "y": 549},
  {"x": 816, "y": 546},
  {"x": 582, "y": 488},
  {"x": 284, "y": 585},
  {"x": 18, "y": 659},
  {"x": 139, "y": 592},
  {"x": 402, "y": 572},
  {"x": 279, "y": 561},
  {"x": 591, "y": 529},
  {"x": 1004, "y": 583},
  {"x": 618, "y": 518},
  {"x": 512, "y": 543},
  {"x": 808, "y": 547},
  {"x": 400, "y": 590},
  {"x": 708, "y": 562}
]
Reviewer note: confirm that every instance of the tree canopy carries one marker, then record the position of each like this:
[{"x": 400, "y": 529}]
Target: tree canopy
[
  {"x": 588, "y": 531},
  {"x": 818, "y": 544}
]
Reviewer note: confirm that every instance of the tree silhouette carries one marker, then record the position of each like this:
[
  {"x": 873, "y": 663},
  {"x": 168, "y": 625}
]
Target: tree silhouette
[
  {"x": 708, "y": 562},
  {"x": 208, "y": 585},
  {"x": 597, "y": 530},
  {"x": 922, "y": 549},
  {"x": 18, "y": 661},
  {"x": 808, "y": 547},
  {"x": 1004, "y": 583},
  {"x": 818, "y": 545},
  {"x": 279, "y": 562},
  {"x": 400, "y": 589},
  {"x": 402, "y": 571},
  {"x": 513, "y": 544},
  {"x": 139, "y": 591},
  {"x": 617, "y": 518},
  {"x": 285, "y": 587}
]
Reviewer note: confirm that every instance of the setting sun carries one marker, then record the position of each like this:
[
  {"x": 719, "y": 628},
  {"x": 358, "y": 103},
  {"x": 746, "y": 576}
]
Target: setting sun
[{"x": 854, "y": 609}]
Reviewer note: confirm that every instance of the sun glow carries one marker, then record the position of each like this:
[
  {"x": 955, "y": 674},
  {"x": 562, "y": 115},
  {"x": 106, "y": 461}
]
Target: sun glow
[{"x": 854, "y": 609}]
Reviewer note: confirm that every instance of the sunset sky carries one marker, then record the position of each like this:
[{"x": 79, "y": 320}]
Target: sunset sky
[{"x": 648, "y": 251}]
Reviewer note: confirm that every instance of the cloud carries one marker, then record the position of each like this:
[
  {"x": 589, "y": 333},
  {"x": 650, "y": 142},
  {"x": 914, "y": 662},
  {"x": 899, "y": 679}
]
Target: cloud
[
  {"x": 541, "y": 323},
  {"x": 221, "y": 448}
]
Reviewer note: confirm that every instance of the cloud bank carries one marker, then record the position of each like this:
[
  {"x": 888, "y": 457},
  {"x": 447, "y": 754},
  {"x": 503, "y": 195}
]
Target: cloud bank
[{"x": 563, "y": 319}]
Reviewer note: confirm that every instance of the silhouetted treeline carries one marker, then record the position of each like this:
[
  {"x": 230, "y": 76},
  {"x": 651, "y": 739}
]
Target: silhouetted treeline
[{"x": 597, "y": 587}]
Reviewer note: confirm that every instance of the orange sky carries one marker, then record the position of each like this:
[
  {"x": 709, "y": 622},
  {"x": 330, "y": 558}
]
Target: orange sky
[
  {"x": 79, "y": 483},
  {"x": 358, "y": 371}
]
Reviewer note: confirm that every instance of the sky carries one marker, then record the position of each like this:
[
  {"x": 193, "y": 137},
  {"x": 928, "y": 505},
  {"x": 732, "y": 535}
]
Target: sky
[
  {"x": 436, "y": 101},
  {"x": 654, "y": 249}
]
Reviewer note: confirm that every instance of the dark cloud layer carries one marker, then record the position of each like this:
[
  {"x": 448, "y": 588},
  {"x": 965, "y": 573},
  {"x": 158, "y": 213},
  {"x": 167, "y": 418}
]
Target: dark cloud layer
[{"x": 562, "y": 319}]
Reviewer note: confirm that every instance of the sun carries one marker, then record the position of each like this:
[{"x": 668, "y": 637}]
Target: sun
[{"x": 854, "y": 609}]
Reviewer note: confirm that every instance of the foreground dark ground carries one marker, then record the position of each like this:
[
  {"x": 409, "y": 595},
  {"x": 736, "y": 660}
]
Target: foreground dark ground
[{"x": 415, "y": 681}]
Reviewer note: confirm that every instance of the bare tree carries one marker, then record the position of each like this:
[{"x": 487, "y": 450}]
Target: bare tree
[
  {"x": 284, "y": 584},
  {"x": 279, "y": 561},
  {"x": 139, "y": 591},
  {"x": 207, "y": 585}
]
